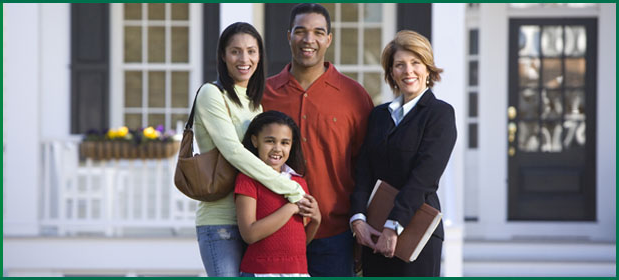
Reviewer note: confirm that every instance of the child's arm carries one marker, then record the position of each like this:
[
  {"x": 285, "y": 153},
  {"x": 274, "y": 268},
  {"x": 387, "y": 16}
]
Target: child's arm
[
  {"x": 253, "y": 231},
  {"x": 311, "y": 211}
]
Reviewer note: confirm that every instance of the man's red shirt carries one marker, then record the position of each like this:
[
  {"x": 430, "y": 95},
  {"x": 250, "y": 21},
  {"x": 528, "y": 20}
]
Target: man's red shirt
[{"x": 332, "y": 115}]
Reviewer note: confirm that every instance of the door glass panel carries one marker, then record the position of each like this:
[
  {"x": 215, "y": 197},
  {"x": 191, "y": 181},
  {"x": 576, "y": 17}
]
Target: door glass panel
[
  {"x": 133, "y": 88},
  {"x": 156, "y": 89},
  {"x": 552, "y": 74},
  {"x": 575, "y": 72},
  {"x": 552, "y": 105},
  {"x": 528, "y": 41},
  {"x": 575, "y": 40},
  {"x": 551, "y": 137},
  {"x": 552, "y": 41},
  {"x": 575, "y": 104},
  {"x": 350, "y": 44},
  {"x": 575, "y": 135},
  {"x": 528, "y": 70},
  {"x": 528, "y": 136},
  {"x": 156, "y": 44},
  {"x": 528, "y": 105}
]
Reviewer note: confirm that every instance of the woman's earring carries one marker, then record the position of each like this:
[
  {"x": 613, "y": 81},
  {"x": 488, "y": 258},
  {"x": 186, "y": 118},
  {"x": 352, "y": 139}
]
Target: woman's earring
[{"x": 428, "y": 81}]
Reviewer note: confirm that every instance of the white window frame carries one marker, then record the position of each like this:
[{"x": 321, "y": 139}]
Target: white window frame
[
  {"x": 118, "y": 67},
  {"x": 388, "y": 30}
]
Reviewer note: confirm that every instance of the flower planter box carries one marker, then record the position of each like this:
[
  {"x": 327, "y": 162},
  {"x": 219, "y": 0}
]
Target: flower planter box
[{"x": 108, "y": 150}]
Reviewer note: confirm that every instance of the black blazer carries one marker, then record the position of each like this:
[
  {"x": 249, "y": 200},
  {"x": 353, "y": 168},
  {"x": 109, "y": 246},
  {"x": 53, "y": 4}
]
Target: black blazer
[{"x": 411, "y": 157}]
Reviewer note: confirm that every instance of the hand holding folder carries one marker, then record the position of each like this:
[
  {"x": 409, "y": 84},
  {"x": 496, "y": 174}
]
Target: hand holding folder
[{"x": 418, "y": 231}]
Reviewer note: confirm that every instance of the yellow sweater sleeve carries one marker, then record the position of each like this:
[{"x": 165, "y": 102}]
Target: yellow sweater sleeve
[{"x": 215, "y": 128}]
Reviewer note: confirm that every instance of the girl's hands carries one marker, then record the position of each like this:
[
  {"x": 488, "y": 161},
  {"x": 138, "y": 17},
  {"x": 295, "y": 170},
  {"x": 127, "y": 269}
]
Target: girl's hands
[
  {"x": 308, "y": 207},
  {"x": 363, "y": 233}
]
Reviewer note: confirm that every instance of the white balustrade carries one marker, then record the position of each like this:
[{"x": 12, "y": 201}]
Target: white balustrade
[{"x": 109, "y": 197}]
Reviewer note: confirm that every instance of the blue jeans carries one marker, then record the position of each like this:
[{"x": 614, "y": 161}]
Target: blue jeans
[
  {"x": 331, "y": 256},
  {"x": 221, "y": 248}
]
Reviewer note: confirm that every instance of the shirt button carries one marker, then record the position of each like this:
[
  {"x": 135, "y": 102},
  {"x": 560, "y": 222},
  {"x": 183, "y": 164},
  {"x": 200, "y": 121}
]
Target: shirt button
[
  {"x": 304, "y": 117},
  {"x": 334, "y": 119},
  {"x": 304, "y": 139},
  {"x": 305, "y": 95}
]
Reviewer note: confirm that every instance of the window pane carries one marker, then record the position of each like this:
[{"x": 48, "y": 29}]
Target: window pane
[
  {"x": 372, "y": 51},
  {"x": 352, "y": 75},
  {"x": 330, "y": 54},
  {"x": 372, "y": 83},
  {"x": 133, "y": 88},
  {"x": 156, "y": 89},
  {"x": 552, "y": 74},
  {"x": 528, "y": 41},
  {"x": 473, "y": 136},
  {"x": 473, "y": 41},
  {"x": 575, "y": 104},
  {"x": 350, "y": 12},
  {"x": 528, "y": 104},
  {"x": 473, "y": 72},
  {"x": 473, "y": 104},
  {"x": 156, "y": 11},
  {"x": 575, "y": 134},
  {"x": 575, "y": 40},
  {"x": 133, "y": 44},
  {"x": 133, "y": 11},
  {"x": 155, "y": 120},
  {"x": 133, "y": 121},
  {"x": 552, "y": 104},
  {"x": 373, "y": 12},
  {"x": 551, "y": 137},
  {"x": 552, "y": 41},
  {"x": 180, "y": 89},
  {"x": 349, "y": 45},
  {"x": 180, "y": 11},
  {"x": 180, "y": 44},
  {"x": 156, "y": 44},
  {"x": 528, "y": 136},
  {"x": 575, "y": 72},
  {"x": 331, "y": 8},
  {"x": 528, "y": 70}
]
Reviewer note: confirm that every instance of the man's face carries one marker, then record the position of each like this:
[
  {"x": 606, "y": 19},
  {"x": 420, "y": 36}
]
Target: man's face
[{"x": 309, "y": 40}]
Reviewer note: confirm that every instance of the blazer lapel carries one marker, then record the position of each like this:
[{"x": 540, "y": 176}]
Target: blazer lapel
[{"x": 423, "y": 102}]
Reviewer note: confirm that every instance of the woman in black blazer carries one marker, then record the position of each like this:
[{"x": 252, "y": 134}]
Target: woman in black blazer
[{"x": 408, "y": 144}]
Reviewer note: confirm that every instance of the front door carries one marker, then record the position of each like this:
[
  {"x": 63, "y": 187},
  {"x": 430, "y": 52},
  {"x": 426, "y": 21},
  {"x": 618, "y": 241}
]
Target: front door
[{"x": 551, "y": 119}]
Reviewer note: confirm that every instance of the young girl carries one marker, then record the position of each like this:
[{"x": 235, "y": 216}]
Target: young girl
[{"x": 267, "y": 221}]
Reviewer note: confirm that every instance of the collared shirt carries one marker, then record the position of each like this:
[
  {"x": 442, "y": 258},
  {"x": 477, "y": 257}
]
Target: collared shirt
[
  {"x": 398, "y": 112},
  {"x": 332, "y": 116}
]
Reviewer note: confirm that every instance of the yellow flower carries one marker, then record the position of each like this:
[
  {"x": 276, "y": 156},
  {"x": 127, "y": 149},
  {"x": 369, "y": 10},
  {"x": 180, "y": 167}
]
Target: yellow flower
[
  {"x": 150, "y": 133},
  {"x": 122, "y": 131},
  {"x": 112, "y": 134}
]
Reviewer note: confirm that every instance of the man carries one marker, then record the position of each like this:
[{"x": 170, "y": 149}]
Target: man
[{"x": 332, "y": 112}]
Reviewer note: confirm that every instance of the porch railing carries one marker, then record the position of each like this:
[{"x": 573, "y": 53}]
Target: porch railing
[{"x": 109, "y": 197}]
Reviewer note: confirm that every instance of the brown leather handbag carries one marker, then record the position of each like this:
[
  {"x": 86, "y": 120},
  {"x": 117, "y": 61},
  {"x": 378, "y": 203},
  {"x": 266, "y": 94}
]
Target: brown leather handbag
[{"x": 207, "y": 176}]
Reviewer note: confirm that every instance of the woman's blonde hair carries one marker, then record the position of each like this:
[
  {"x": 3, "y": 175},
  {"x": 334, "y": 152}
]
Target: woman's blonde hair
[{"x": 413, "y": 42}]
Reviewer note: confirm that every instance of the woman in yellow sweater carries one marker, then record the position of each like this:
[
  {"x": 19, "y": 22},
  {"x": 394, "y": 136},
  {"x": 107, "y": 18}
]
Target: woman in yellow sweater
[{"x": 241, "y": 73}]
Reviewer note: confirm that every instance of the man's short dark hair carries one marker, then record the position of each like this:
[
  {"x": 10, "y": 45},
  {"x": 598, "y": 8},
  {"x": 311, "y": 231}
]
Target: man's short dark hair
[{"x": 308, "y": 8}]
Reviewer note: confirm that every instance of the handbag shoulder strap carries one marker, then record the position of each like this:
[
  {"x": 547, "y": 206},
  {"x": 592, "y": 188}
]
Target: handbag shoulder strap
[{"x": 189, "y": 124}]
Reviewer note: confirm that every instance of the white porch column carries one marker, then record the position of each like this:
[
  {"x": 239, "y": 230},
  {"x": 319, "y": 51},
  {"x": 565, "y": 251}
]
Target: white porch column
[
  {"x": 21, "y": 139},
  {"x": 448, "y": 41},
  {"x": 232, "y": 12}
]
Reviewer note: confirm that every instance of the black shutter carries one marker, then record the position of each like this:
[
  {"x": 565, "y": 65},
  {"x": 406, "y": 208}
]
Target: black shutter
[
  {"x": 211, "y": 35},
  {"x": 276, "y": 24},
  {"x": 416, "y": 17},
  {"x": 90, "y": 62}
]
